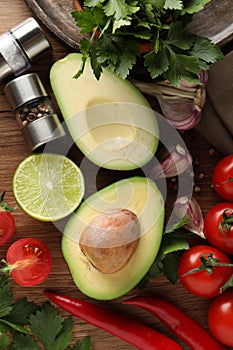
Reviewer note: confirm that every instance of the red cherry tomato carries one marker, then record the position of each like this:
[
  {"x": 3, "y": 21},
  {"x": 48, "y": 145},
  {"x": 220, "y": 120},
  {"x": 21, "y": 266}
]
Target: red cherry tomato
[
  {"x": 220, "y": 318},
  {"x": 7, "y": 221},
  {"x": 223, "y": 178},
  {"x": 218, "y": 226},
  {"x": 7, "y": 226},
  {"x": 30, "y": 261},
  {"x": 204, "y": 282}
]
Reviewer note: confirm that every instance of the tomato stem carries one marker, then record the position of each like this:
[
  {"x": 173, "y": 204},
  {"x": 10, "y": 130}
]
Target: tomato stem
[
  {"x": 20, "y": 264},
  {"x": 207, "y": 263},
  {"x": 4, "y": 205},
  {"x": 226, "y": 223},
  {"x": 230, "y": 179}
]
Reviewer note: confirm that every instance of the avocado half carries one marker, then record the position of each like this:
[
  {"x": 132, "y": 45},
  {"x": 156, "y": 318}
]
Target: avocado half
[
  {"x": 138, "y": 195},
  {"x": 109, "y": 119}
]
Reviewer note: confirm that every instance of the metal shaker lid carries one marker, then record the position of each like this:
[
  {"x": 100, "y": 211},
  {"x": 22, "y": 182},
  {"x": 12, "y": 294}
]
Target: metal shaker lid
[
  {"x": 24, "y": 89},
  {"x": 31, "y": 38}
]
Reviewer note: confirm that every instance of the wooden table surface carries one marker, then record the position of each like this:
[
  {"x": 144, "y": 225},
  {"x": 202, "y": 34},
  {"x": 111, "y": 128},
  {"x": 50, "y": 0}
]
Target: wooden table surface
[{"x": 13, "y": 149}]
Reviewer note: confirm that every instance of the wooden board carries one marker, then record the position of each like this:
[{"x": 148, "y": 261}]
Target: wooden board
[
  {"x": 13, "y": 150},
  {"x": 214, "y": 22}
]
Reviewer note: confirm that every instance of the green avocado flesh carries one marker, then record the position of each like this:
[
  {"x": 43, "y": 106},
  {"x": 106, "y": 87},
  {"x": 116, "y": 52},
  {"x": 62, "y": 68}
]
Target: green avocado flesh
[
  {"x": 110, "y": 121},
  {"x": 138, "y": 195}
]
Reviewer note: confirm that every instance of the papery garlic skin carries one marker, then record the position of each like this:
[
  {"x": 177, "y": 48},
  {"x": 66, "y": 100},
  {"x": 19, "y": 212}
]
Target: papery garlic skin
[
  {"x": 177, "y": 162},
  {"x": 181, "y": 106},
  {"x": 185, "y": 206}
]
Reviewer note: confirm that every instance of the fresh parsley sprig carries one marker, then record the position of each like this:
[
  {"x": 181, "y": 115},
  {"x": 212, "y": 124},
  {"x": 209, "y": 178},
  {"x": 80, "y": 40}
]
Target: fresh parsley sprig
[
  {"x": 118, "y": 28},
  {"x": 25, "y": 325}
]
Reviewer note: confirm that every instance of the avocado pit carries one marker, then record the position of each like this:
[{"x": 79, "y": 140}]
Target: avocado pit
[{"x": 110, "y": 239}]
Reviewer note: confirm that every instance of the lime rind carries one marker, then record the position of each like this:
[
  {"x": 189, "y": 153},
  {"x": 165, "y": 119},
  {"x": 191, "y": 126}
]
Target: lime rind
[{"x": 48, "y": 187}]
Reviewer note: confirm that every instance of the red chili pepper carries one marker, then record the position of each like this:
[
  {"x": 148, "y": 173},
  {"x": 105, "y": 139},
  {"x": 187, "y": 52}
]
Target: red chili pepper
[
  {"x": 181, "y": 324},
  {"x": 122, "y": 326}
]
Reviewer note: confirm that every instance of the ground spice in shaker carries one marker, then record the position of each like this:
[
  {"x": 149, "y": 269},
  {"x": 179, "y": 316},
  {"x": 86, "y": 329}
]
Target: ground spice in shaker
[{"x": 34, "y": 111}]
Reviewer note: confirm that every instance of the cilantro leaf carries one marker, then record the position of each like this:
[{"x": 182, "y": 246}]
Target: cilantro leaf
[
  {"x": 173, "y": 4},
  {"x": 193, "y": 6},
  {"x": 119, "y": 9},
  {"x": 14, "y": 326},
  {"x": 90, "y": 3},
  {"x": 48, "y": 327},
  {"x": 178, "y": 37},
  {"x": 157, "y": 4},
  {"x": 157, "y": 64},
  {"x": 126, "y": 63},
  {"x": 170, "y": 268},
  {"x": 120, "y": 23},
  {"x": 6, "y": 299},
  {"x": 23, "y": 342},
  {"x": 21, "y": 311},
  {"x": 44, "y": 324},
  {"x": 88, "y": 19},
  {"x": 84, "y": 19},
  {"x": 206, "y": 50},
  {"x": 85, "y": 344},
  {"x": 182, "y": 66},
  {"x": 96, "y": 66},
  {"x": 4, "y": 341},
  {"x": 174, "y": 52}
]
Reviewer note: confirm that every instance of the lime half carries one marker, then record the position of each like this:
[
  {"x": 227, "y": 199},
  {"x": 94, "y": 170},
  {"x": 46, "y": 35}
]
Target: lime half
[{"x": 48, "y": 186}]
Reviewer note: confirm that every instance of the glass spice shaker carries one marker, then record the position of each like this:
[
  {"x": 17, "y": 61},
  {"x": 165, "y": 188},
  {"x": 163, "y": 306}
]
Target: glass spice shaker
[
  {"x": 34, "y": 111},
  {"x": 20, "y": 47}
]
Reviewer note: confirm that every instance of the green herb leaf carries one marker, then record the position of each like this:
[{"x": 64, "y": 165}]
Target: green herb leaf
[
  {"x": 172, "y": 243},
  {"x": 50, "y": 329},
  {"x": 4, "y": 341},
  {"x": 85, "y": 344},
  {"x": 193, "y": 6},
  {"x": 90, "y": 3},
  {"x": 23, "y": 342},
  {"x": 85, "y": 20},
  {"x": 157, "y": 63},
  {"x": 178, "y": 37},
  {"x": 120, "y": 9},
  {"x": 14, "y": 326},
  {"x": 206, "y": 50},
  {"x": 21, "y": 311},
  {"x": 6, "y": 298},
  {"x": 175, "y": 53},
  {"x": 96, "y": 66},
  {"x": 170, "y": 267},
  {"x": 182, "y": 66},
  {"x": 44, "y": 324},
  {"x": 173, "y": 4}
]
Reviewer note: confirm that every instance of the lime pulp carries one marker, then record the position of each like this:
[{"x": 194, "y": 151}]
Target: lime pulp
[{"x": 48, "y": 186}]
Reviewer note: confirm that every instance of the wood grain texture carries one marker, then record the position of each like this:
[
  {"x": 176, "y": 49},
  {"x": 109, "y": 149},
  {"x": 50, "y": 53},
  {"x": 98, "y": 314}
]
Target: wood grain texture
[
  {"x": 214, "y": 22},
  {"x": 13, "y": 149}
]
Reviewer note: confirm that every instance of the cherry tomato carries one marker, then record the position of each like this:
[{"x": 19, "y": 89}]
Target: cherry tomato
[
  {"x": 7, "y": 226},
  {"x": 220, "y": 318},
  {"x": 30, "y": 261},
  {"x": 223, "y": 178},
  {"x": 7, "y": 221},
  {"x": 200, "y": 278},
  {"x": 218, "y": 226}
]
